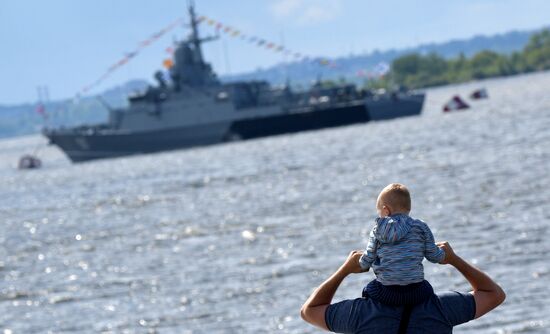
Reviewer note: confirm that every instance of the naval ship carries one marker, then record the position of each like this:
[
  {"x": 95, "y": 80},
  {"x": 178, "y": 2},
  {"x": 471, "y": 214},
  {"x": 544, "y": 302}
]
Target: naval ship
[{"x": 193, "y": 108}]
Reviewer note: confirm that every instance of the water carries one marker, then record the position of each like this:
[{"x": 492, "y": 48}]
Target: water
[{"x": 233, "y": 238}]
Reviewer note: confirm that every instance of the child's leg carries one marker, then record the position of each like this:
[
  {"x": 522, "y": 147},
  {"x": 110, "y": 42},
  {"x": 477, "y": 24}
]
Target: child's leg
[
  {"x": 365, "y": 293},
  {"x": 399, "y": 294}
]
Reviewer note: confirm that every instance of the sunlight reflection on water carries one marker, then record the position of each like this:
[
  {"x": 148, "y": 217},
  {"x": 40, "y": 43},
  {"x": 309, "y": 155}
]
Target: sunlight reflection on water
[{"x": 232, "y": 238}]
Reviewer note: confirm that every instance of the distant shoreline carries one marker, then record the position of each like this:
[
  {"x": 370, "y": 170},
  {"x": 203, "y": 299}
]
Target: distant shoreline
[{"x": 424, "y": 71}]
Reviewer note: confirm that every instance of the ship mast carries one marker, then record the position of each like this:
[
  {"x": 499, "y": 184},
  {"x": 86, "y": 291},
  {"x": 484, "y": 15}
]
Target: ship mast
[
  {"x": 195, "y": 39},
  {"x": 189, "y": 68}
]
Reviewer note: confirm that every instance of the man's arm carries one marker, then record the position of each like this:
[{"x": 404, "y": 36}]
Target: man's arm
[
  {"x": 486, "y": 292},
  {"x": 313, "y": 310}
]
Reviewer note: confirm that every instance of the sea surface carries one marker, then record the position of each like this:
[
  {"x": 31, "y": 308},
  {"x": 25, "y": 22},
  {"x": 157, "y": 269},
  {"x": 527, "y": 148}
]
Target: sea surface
[{"x": 233, "y": 238}]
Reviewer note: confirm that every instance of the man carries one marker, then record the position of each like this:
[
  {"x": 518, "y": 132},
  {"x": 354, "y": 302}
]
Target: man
[{"x": 437, "y": 315}]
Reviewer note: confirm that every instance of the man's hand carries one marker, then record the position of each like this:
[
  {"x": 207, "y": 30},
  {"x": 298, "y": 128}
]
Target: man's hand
[
  {"x": 313, "y": 310},
  {"x": 486, "y": 292},
  {"x": 351, "y": 266},
  {"x": 450, "y": 255}
]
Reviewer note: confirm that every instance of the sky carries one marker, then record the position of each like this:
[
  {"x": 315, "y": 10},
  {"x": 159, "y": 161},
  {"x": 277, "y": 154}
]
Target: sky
[{"x": 68, "y": 44}]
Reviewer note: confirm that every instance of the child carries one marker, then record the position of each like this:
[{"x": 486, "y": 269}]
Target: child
[{"x": 397, "y": 245}]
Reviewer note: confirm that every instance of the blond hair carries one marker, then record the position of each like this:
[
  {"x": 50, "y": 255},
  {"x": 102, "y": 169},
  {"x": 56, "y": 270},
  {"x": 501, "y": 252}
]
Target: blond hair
[{"x": 397, "y": 197}]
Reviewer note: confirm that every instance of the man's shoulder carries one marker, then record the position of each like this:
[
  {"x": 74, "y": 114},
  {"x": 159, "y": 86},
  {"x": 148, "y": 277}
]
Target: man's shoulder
[
  {"x": 458, "y": 307},
  {"x": 444, "y": 299},
  {"x": 441, "y": 312},
  {"x": 359, "y": 315}
]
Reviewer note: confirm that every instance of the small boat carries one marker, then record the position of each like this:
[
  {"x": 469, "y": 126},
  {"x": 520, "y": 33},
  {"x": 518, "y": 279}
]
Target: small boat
[
  {"x": 456, "y": 103},
  {"x": 28, "y": 161},
  {"x": 479, "y": 94}
]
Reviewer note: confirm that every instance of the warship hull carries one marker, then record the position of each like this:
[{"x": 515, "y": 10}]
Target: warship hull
[
  {"x": 393, "y": 106},
  {"x": 81, "y": 147},
  {"x": 91, "y": 145}
]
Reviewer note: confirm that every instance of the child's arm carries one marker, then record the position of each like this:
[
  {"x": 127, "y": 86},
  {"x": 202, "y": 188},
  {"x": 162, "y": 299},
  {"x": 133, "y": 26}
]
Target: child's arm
[
  {"x": 369, "y": 255},
  {"x": 432, "y": 253}
]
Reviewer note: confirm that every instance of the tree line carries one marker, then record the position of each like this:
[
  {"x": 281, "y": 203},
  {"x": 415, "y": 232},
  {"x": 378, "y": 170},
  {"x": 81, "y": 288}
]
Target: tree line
[{"x": 419, "y": 71}]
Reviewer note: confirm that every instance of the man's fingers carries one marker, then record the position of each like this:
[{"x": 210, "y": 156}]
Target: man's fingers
[{"x": 352, "y": 254}]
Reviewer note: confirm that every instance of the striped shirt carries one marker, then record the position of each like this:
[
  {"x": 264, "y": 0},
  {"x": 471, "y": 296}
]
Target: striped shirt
[{"x": 397, "y": 245}]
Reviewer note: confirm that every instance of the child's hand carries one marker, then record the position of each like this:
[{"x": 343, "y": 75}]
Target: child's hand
[{"x": 449, "y": 252}]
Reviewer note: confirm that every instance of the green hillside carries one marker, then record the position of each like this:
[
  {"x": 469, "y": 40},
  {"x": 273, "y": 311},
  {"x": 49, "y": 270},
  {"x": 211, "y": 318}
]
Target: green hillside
[{"x": 418, "y": 71}]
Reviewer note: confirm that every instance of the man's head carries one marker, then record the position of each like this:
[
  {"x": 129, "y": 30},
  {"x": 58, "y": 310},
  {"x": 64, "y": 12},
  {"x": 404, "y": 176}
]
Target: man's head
[{"x": 393, "y": 199}]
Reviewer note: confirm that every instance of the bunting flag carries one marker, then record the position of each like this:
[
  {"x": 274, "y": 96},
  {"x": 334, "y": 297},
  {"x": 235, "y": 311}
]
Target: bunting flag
[
  {"x": 168, "y": 63},
  {"x": 130, "y": 55},
  {"x": 145, "y": 43},
  {"x": 380, "y": 70},
  {"x": 122, "y": 61},
  {"x": 260, "y": 42},
  {"x": 41, "y": 110}
]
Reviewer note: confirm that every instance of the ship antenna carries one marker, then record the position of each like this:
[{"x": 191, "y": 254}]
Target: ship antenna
[{"x": 195, "y": 39}]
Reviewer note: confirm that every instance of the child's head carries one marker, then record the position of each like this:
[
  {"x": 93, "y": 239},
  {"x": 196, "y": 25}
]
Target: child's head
[{"x": 393, "y": 199}]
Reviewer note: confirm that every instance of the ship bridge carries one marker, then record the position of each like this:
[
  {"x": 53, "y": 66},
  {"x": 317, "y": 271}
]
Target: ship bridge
[{"x": 190, "y": 69}]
